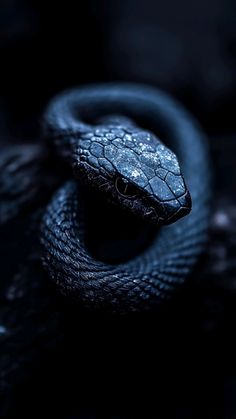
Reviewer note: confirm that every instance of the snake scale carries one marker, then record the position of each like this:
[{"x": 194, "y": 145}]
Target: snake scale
[{"x": 117, "y": 140}]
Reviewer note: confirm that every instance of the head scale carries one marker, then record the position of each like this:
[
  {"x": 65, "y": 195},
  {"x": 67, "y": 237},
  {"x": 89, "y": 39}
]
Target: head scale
[{"x": 134, "y": 169}]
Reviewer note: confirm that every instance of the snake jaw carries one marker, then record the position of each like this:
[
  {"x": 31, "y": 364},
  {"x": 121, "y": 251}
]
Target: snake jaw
[{"x": 164, "y": 213}]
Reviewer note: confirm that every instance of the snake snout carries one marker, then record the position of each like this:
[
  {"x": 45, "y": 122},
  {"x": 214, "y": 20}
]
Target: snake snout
[
  {"x": 169, "y": 198},
  {"x": 167, "y": 212},
  {"x": 178, "y": 208}
]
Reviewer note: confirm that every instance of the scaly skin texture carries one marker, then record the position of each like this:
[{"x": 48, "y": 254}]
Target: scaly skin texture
[{"x": 134, "y": 169}]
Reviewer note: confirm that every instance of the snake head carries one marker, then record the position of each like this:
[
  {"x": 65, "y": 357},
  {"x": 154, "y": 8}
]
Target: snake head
[{"x": 135, "y": 170}]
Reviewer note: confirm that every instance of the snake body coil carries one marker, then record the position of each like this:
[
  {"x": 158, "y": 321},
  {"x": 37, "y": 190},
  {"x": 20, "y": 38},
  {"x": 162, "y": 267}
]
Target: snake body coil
[{"x": 133, "y": 168}]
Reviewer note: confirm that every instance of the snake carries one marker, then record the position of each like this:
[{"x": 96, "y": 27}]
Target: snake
[{"x": 139, "y": 149}]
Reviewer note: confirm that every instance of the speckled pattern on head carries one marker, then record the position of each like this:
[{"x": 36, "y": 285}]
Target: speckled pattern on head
[{"x": 132, "y": 167}]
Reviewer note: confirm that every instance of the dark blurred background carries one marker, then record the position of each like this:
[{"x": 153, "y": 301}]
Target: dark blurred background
[{"x": 60, "y": 361}]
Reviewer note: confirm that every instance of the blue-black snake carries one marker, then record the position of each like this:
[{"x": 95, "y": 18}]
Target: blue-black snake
[{"x": 115, "y": 139}]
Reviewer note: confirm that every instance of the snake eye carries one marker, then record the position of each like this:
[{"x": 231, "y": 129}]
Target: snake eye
[{"x": 124, "y": 188}]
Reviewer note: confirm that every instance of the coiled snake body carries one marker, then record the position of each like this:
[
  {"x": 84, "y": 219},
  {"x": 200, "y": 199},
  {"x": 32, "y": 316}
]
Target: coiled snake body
[{"x": 133, "y": 168}]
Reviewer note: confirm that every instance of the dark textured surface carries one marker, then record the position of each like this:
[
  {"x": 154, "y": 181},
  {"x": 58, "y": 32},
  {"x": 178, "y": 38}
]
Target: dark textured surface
[{"x": 26, "y": 179}]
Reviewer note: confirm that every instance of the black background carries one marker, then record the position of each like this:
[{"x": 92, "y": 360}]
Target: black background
[{"x": 61, "y": 361}]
